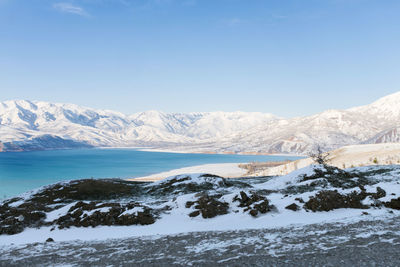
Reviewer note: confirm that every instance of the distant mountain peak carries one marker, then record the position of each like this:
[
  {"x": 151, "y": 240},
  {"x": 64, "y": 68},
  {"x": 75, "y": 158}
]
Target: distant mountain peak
[{"x": 387, "y": 107}]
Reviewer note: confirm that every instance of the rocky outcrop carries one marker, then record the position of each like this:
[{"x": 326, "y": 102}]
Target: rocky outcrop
[
  {"x": 254, "y": 204},
  {"x": 208, "y": 206}
]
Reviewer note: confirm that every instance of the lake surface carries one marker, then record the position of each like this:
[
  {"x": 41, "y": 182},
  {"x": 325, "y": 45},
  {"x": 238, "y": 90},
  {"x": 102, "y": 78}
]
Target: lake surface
[{"x": 23, "y": 171}]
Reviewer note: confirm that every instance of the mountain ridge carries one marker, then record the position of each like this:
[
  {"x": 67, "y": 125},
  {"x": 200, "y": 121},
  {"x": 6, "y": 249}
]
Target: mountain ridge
[{"x": 23, "y": 121}]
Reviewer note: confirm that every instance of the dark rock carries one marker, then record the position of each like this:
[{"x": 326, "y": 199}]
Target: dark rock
[
  {"x": 327, "y": 200},
  {"x": 253, "y": 212},
  {"x": 49, "y": 239},
  {"x": 184, "y": 185},
  {"x": 13, "y": 220},
  {"x": 32, "y": 212},
  {"x": 379, "y": 193},
  {"x": 88, "y": 189},
  {"x": 244, "y": 197},
  {"x": 113, "y": 216},
  {"x": 209, "y": 207},
  {"x": 393, "y": 204},
  {"x": 263, "y": 206},
  {"x": 293, "y": 207},
  {"x": 299, "y": 199},
  {"x": 254, "y": 204},
  {"x": 194, "y": 213},
  {"x": 189, "y": 204}
]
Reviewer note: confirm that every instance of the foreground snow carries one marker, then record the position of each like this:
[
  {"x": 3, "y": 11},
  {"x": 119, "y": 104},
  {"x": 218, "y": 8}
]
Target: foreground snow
[
  {"x": 280, "y": 192},
  {"x": 179, "y": 222}
]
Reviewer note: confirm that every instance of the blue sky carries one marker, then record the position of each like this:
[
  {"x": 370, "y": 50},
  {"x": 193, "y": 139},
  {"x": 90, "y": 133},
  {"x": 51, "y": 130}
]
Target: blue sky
[{"x": 287, "y": 57}]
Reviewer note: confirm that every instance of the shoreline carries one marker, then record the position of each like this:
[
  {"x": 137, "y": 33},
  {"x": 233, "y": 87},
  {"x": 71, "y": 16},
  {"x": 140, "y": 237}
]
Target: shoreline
[
  {"x": 144, "y": 149},
  {"x": 161, "y": 150}
]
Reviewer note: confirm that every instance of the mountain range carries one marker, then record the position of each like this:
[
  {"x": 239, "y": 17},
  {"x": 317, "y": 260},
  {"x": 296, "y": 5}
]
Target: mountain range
[{"x": 34, "y": 125}]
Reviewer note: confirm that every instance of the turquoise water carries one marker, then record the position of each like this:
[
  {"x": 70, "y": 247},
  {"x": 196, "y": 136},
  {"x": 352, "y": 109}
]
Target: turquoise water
[{"x": 23, "y": 171}]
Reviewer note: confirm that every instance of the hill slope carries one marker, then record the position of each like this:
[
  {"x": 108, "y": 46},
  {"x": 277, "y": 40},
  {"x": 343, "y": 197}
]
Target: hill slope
[
  {"x": 345, "y": 157},
  {"x": 24, "y": 122}
]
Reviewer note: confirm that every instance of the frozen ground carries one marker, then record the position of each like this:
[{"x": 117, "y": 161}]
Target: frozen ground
[{"x": 365, "y": 243}]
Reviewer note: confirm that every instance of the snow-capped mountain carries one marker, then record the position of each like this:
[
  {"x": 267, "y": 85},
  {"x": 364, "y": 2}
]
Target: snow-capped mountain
[
  {"x": 374, "y": 123},
  {"x": 22, "y": 122},
  {"x": 386, "y": 108},
  {"x": 329, "y": 129},
  {"x": 27, "y": 125}
]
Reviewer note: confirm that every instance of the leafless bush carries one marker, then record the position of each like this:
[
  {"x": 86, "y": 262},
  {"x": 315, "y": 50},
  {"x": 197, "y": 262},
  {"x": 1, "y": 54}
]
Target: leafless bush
[{"x": 319, "y": 156}]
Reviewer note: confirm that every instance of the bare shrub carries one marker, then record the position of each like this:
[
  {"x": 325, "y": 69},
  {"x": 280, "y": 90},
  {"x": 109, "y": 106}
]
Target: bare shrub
[{"x": 320, "y": 156}]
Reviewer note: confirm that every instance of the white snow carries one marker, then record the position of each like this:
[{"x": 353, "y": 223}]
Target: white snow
[
  {"x": 227, "y": 170},
  {"x": 134, "y": 211},
  {"x": 55, "y": 214},
  {"x": 179, "y": 222},
  {"x": 101, "y": 210}
]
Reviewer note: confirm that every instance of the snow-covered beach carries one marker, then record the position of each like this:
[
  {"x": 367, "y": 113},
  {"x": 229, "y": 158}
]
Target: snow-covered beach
[{"x": 227, "y": 170}]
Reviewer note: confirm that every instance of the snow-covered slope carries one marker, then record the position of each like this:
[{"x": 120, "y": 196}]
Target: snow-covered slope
[
  {"x": 388, "y": 136},
  {"x": 23, "y": 121},
  {"x": 386, "y": 108},
  {"x": 374, "y": 123}
]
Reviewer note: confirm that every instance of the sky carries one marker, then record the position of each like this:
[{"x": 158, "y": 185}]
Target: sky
[{"x": 286, "y": 57}]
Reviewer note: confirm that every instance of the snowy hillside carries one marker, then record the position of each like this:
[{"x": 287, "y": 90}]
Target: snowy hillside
[
  {"x": 110, "y": 211},
  {"x": 374, "y": 123},
  {"x": 309, "y": 195},
  {"x": 386, "y": 108},
  {"x": 388, "y": 136},
  {"x": 24, "y": 122}
]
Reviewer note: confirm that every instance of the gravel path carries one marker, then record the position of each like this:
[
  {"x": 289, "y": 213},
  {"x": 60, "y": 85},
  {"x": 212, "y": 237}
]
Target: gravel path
[{"x": 366, "y": 243}]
